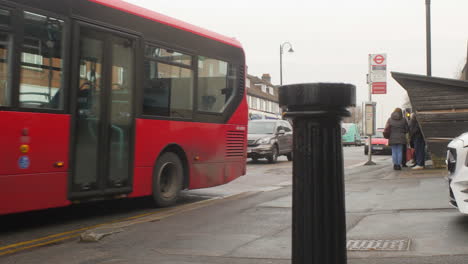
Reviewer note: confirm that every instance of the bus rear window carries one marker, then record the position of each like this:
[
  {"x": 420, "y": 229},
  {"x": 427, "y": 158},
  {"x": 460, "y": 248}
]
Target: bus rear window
[{"x": 216, "y": 83}]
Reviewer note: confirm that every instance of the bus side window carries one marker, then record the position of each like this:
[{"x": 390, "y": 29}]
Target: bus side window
[
  {"x": 217, "y": 81},
  {"x": 41, "y": 62},
  {"x": 5, "y": 51},
  {"x": 168, "y": 87}
]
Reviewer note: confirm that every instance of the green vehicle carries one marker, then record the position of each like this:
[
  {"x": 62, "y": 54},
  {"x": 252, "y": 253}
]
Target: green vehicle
[{"x": 350, "y": 134}]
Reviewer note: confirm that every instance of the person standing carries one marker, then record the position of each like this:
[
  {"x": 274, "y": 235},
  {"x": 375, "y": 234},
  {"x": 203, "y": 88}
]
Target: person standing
[
  {"x": 398, "y": 128},
  {"x": 417, "y": 139}
]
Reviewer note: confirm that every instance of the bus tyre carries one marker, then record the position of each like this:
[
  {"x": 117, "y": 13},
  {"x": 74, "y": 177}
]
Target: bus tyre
[
  {"x": 290, "y": 156},
  {"x": 274, "y": 155},
  {"x": 167, "y": 180}
]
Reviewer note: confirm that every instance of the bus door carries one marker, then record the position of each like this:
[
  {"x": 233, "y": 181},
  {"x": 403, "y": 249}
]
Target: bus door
[{"x": 102, "y": 103}]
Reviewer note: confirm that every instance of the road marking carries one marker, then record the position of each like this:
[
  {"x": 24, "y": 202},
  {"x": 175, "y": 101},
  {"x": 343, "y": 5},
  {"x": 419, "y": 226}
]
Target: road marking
[
  {"x": 124, "y": 222},
  {"x": 38, "y": 245}
]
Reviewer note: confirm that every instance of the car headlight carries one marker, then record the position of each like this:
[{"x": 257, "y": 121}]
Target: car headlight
[{"x": 266, "y": 140}]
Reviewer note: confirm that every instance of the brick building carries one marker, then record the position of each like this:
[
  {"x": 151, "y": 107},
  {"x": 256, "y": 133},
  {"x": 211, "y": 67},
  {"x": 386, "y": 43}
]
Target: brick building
[{"x": 262, "y": 97}]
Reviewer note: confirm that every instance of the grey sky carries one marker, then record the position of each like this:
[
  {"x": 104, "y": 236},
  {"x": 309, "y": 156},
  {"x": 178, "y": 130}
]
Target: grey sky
[{"x": 332, "y": 38}]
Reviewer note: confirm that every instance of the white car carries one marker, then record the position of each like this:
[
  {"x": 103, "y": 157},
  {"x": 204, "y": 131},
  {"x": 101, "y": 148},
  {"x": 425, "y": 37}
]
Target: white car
[{"x": 457, "y": 164}]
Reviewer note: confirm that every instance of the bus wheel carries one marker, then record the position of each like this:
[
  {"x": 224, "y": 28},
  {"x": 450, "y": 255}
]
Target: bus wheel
[{"x": 167, "y": 180}]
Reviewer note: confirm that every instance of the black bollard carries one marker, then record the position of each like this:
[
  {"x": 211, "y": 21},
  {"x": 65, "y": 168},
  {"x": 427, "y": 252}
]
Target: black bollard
[{"x": 319, "y": 220}]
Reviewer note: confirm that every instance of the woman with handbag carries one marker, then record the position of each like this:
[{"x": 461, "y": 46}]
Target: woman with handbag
[{"x": 395, "y": 131}]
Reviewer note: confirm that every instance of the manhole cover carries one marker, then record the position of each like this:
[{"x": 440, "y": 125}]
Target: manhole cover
[{"x": 378, "y": 244}]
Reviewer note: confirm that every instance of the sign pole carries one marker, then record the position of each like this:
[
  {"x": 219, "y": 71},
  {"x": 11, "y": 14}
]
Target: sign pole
[{"x": 369, "y": 81}]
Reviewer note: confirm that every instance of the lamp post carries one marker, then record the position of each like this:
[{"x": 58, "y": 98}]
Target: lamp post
[
  {"x": 281, "y": 58},
  {"x": 428, "y": 38}
]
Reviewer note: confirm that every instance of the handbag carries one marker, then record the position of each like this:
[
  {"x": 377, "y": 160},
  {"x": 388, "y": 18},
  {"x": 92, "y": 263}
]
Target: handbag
[
  {"x": 387, "y": 131},
  {"x": 409, "y": 154}
]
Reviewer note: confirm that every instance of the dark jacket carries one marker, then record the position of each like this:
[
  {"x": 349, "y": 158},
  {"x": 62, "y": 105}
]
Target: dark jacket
[
  {"x": 398, "y": 129},
  {"x": 414, "y": 130}
]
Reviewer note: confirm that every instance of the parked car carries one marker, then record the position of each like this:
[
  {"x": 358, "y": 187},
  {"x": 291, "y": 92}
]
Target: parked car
[
  {"x": 457, "y": 165},
  {"x": 350, "y": 135},
  {"x": 269, "y": 139},
  {"x": 364, "y": 140},
  {"x": 379, "y": 144}
]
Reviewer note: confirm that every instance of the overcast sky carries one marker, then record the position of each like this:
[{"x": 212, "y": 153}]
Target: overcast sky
[{"x": 332, "y": 38}]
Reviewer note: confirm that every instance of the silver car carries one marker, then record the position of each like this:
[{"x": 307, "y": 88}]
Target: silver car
[{"x": 269, "y": 139}]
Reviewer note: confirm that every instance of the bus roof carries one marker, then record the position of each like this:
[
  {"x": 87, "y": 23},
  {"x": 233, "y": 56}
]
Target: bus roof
[{"x": 152, "y": 15}]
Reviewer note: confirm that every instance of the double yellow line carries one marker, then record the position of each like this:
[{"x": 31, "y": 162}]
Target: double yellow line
[{"x": 124, "y": 222}]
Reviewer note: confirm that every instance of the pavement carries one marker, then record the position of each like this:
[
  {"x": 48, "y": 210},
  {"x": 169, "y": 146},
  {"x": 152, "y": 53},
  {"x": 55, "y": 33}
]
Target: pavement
[{"x": 254, "y": 225}]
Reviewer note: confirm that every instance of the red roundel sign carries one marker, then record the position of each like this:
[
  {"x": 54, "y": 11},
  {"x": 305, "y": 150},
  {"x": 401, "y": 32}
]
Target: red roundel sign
[{"x": 379, "y": 59}]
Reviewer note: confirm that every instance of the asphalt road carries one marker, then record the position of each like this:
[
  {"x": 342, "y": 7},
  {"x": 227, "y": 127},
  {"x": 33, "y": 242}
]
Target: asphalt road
[
  {"x": 62, "y": 222},
  {"x": 248, "y": 221}
]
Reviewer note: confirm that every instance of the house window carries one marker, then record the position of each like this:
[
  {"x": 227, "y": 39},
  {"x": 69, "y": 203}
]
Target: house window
[
  {"x": 247, "y": 83},
  {"x": 83, "y": 71},
  {"x": 254, "y": 102},
  {"x": 264, "y": 88},
  {"x": 31, "y": 59},
  {"x": 271, "y": 90}
]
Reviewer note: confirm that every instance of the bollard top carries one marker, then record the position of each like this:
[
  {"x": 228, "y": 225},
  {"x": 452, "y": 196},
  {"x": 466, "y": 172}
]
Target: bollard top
[{"x": 317, "y": 95}]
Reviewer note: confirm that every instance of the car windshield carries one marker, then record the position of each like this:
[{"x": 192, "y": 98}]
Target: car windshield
[
  {"x": 378, "y": 134},
  {"x": 261, "y": 127}
]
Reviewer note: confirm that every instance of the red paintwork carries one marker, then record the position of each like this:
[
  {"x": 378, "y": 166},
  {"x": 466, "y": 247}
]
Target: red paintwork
[
  {"x": 27, "y": 192},
  {"x": 160, "y": 18},
  {"x": 41, "y": 185},
  {"x": 202, "y": 140}
]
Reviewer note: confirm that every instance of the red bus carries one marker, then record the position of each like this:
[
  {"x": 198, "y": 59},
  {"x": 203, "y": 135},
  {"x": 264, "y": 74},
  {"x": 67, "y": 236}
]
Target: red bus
[{"x": 101, "y": 99}]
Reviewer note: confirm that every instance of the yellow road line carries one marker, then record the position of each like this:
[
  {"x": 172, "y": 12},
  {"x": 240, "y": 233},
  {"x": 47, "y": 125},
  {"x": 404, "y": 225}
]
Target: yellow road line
[
  {"x": 74, "y": 231},
  {"x": 38, "y": 245},
  {"x": 164, "y": 213},
  {"x": 44, "y": 238}
]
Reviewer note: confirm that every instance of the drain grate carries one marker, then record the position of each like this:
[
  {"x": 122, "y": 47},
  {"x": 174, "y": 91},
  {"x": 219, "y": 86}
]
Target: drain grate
[{"x": 378, "y": 245}]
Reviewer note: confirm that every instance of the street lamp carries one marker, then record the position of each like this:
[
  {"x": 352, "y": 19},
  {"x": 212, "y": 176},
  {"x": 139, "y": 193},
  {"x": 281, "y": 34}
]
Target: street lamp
[
  {"x": 281, "y": 58},
  {"x": 428, "y": 38}
]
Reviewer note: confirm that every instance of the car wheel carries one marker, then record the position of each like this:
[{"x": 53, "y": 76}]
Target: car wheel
[
  {"x": 274, "y": 156},
  {"x": 254, "y": 159},
  {"x": 289, "y": 156},
  {"x": 167, "y": 180}
]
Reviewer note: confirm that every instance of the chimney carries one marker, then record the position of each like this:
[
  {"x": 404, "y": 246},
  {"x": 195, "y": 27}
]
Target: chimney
[{"x": 266, "y": 77}]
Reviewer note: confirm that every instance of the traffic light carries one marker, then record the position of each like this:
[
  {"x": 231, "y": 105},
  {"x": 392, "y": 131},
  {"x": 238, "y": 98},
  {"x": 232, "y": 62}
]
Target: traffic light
[{"x": 408, "y": 112}]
